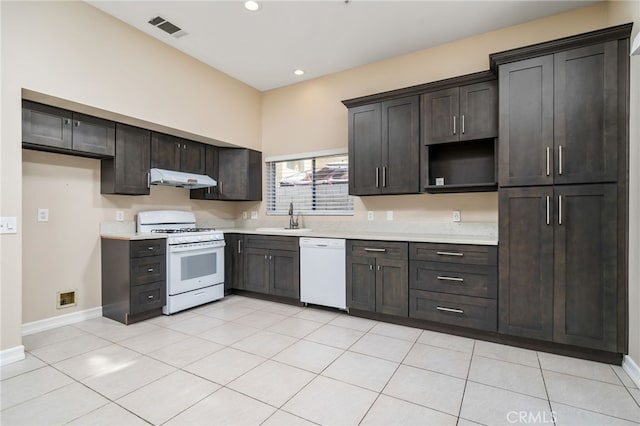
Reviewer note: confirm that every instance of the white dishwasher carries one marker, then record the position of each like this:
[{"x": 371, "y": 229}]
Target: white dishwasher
[{"x": 322, "y": 272}]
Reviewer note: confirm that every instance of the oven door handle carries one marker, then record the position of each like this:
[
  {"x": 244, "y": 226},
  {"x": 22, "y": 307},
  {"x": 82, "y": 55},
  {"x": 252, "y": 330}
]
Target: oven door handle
[{"x": 194, "y": 250}]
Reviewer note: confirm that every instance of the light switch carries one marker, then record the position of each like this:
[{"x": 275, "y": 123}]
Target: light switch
[
  {"x": 43, "y": 215},
  {"x": 8, "y": 225},
  {"x": 119, "y": 215}
]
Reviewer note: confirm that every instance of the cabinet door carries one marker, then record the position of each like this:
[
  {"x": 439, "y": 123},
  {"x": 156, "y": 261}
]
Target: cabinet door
[
  {"x": 365, "y": 149},
  {"x": 284, "y": 273},
  {"x": 361, "y": 283},
  {"x": 211, "y": 169},
  {"x": 392, "y": 287},
  {"x": 586, "y": 114},
  {"x": 526, "y": 262},
  {"x": 233, "y": 261},
  {"x": 127, "y": 172},
  {"x": 479, "y": 111},
  {"x": 585, "y": 266},
  {"x": 93, "y": 135},
  {"x": 239, "y": 174},
  {"x": 45, "y": 125},
  {"x": 526, "y": 122},
  {"x": 192, "y": 157},
  {"x": 440, "y": 111},
  {"x": 256, "y": 271},
  {"x": 165, "y": 151},
  {"x": 401, "y": 146}
]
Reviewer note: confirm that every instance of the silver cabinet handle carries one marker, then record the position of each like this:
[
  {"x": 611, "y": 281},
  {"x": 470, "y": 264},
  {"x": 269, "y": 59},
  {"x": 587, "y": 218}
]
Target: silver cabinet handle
[
  {"x": 66, "y": 121},
  {"x": 184, "y": 146},
  {"x": 454, "y": 124},
  {"x": 378, "y": 267},
  {"x": 220, "y": 187},
  {"x": 560, "y": 159},
  {"x": 384, "y": 177},
  {"x": 548, "y": 209},
  {"x": 150, "y": 270},
  {"x": 455, "y": 311},
  {"x": 371, "y": 267},
  {"x": 377, "y": 177},
  {"x": 548, "y": 160},
  {"x": 265, "y": 257},
  {"x": 77, "y": 124},
  {"x": 150, "y": 248},
  {"x": 449, "y": 253},
  {"x": 149, "y": 297},
  {"x": 239, "y": 246},
  {"x": 445, "y": 278},
  {"x": 178, "y": 145},
  {"x": 559, "y": 209},
  {"x": 270, "y": 257},
  {"x": 148, "y": 180},
  {"x": 462, "y": 124},
  {"x": 377, "y": 250}
]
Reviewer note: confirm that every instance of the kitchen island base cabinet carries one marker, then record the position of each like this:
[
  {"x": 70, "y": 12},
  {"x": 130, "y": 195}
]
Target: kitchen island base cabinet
[
  {"x": 377, "y": 277},
  {"x": 133, "y": 279}
]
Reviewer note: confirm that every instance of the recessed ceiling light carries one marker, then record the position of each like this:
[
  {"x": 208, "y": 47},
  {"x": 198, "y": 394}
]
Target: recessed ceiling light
[
  {"x": 298, "y": 72},
  {"x": 251, "y": 5}
]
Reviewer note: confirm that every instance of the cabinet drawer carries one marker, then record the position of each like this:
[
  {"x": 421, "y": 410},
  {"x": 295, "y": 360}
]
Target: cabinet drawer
[
  {"x": 147, "y": 297},
  {"x": 454, "y": 253},
  {"x": 386, "y": 249},
  {"x": 271, "y": 242},
  {"x": 465, "y": 311},
  {"x": 146, "y": 270},
  {"x": 142, "y": 248},
  {"x": 468, "y": 280}
]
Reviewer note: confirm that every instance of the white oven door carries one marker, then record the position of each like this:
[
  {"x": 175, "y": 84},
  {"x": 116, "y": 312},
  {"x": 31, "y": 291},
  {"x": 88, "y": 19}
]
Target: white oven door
[{"x": 194, "y": 266}]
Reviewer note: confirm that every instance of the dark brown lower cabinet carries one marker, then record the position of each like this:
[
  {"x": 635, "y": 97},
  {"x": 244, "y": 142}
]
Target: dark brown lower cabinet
[
  {"x": 558, "y": 264},
  {"x": 233, "y": 262},
  {"x": 271, "y": 265},
  {"x": 133, "y": 279},
  {"x": 378, "y": 277}
]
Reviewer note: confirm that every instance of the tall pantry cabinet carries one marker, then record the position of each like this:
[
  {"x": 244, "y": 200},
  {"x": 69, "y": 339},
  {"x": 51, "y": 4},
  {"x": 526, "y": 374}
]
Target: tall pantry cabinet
[{"x": 563, "y": 142}]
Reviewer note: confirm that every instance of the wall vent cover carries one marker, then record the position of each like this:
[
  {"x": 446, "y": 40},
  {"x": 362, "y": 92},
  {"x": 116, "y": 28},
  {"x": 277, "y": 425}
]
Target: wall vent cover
[
  {"x": 168, "y": 27},
  {"x": 66, "y": 299}
]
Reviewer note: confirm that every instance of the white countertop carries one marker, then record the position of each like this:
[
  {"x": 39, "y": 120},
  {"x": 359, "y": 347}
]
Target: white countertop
[
  {"x": 133, "y": 236},
  {"x": 379, "y": 236}
]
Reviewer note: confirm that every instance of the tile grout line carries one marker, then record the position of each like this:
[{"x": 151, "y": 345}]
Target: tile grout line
[{"x": 466, "y": 381}]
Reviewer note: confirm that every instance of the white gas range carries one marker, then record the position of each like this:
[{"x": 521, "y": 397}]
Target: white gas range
[{"x": 195, "y": 258}]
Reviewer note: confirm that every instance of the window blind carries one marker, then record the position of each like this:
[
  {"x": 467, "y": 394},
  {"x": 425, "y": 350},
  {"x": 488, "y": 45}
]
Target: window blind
[{"x": 315, "y": 186}]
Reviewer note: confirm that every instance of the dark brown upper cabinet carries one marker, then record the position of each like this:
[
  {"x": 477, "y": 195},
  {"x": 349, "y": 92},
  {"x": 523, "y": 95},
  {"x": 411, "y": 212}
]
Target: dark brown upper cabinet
[
  {"x": 384, "y": 147},
  {"x": 559, "y": 117},
  {"x": 460, "y": 113},
  {"x": 239, "y": 174},
  {"x": 47, "y": 128},
  {"x": 211, "y": 170},
  {"x": 174, "y": 153},
  {"x": 127, "y": 172}
]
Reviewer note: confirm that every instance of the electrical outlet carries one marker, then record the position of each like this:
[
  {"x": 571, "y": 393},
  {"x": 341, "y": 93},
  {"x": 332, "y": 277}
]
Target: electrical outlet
[
  {"x": 456, "y": 216},
  {"x": 370, "y": 215},
  {"x": 43, "y": 215},
  {"x": 8, "y": 225},
  {"x": 389, "y": 214},
  {"x": 254, "y": 214},
  {"x": 245, "y": 215},
  {"x": 119, "y": 215}
]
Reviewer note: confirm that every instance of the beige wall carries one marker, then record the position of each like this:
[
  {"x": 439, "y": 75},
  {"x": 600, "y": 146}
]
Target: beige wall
[
  {"x": 72, "y": 51},
  {"x": 69, "y": 61}
]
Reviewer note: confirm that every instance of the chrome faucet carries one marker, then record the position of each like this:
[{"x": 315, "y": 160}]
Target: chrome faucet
[{"x": 293, "y": 224}]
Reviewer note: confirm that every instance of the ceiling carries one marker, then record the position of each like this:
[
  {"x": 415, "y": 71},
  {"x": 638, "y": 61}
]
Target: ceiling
[{"x": 321, "y": 37}]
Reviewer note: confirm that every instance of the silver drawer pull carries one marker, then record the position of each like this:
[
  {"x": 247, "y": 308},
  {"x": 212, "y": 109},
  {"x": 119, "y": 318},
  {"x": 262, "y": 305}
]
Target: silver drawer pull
[
  {"x": 443, "y": 278},
  {"x": 377, "y": 250},
  {"x": 150, "y": 248},
  {"x": 449, "y": 253},
  {"x": 150, "y": 270},
  {"x": 455, "y": 311},
  {"x": 149, "y": 297}
]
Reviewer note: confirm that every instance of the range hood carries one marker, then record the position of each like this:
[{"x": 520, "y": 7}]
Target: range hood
[{"x": 180, "y": 179}]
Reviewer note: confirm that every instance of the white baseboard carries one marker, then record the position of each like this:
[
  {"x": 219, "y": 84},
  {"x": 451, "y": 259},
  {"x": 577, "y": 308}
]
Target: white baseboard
[
  {"x": 632, "y": 369},
  {"x": 10, "y": 355},
  {"x": 60, "y": 320}
]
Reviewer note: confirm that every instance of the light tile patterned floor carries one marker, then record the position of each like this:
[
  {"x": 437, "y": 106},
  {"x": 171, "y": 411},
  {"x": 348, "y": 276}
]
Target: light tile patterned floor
[{"x": 242, "y": 361}]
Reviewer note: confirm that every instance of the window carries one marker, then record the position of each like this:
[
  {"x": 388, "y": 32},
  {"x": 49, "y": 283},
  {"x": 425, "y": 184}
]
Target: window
[{"x": 317, "y": 185}]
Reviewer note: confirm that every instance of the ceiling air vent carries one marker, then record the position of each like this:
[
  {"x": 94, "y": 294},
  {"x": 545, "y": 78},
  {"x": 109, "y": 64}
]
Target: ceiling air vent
[{"x": 167, "y": 27}]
